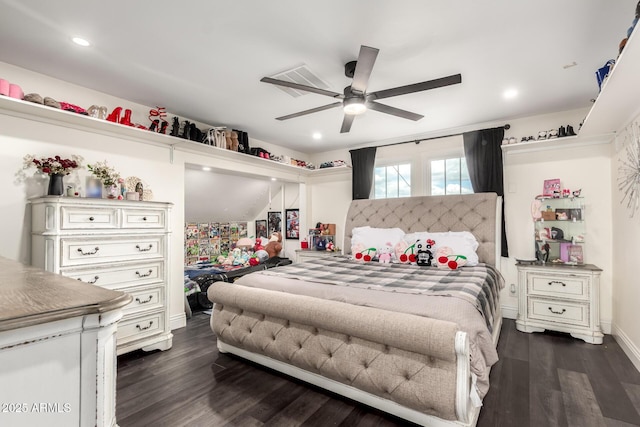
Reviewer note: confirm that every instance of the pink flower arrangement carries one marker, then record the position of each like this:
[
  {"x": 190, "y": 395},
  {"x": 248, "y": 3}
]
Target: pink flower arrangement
[{"x": 53, "y": 165}]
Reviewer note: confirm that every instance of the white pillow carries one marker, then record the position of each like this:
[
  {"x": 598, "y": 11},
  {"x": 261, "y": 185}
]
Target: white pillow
[
  {"x": 461, "y": 242},
  {"x": 372, "y": 237}
]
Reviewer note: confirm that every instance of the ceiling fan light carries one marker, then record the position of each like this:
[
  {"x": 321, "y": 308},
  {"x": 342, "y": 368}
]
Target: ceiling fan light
[{"x": 354, "y": 106}]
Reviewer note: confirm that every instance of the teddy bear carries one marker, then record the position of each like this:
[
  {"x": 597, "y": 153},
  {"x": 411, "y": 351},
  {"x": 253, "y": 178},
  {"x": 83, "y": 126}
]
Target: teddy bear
[
  {"x": 423, "y": 253},
  {"x": 274, "y": 246},
  {"x": 385, "y": 253}
]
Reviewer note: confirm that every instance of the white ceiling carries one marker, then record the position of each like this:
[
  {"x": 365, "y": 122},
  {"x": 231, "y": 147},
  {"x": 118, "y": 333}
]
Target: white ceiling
[{"x": 203, "y": 60}]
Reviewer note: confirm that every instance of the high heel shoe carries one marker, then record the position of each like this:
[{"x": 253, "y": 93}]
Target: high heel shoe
[
  {"x": 126, "y": 120},
  {"x": 163, "y": 127},
  {"x": 115, "y": 115},
  {"x": 186, "y": 130},
  {"x": 175, "y": 128},
  {"x": 154, "y": 125}
]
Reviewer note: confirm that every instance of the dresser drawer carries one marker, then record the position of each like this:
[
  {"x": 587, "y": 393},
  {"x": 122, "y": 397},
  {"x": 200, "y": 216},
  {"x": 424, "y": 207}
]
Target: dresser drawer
[
  {"x": 134, "y": 218},
  {"x": 120, "y": 277},
  {"x": 145, "y": 299},
  {"x": 91, "y": 251},
  {"x": 76, "y": 218},
  {"x": 559, "y": 311},
  {"x": 131, "y": 329},
  {"x": 565, "y": 286}
]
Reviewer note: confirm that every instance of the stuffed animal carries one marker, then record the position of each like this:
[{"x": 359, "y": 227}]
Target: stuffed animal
[
  {"x": 274, "y": 246},
  {"x": 384, "y": 253},
  {"x": 424, "y": 254},
  {"x": 406, "y": 254},
  {"x": 330, "y": 246},
  {"x": 362, "y": 253},
  {"x": 446, "y": 258}
]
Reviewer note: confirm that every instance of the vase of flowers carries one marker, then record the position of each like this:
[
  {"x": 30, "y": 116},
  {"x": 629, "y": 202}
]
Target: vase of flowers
[
  {"x": 55, "y": 167},
  {"x": 109, "y": 177}
]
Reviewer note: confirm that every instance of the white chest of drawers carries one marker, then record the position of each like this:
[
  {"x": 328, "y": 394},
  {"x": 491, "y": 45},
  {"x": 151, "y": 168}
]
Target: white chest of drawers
[
  {"x": 115, "y": 244},
  {"x": 560, "y": 298}
]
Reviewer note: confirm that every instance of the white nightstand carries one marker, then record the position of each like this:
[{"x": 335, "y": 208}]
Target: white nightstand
[
  {"x": 311, "y": 254},
  {"x": 560, "y": 298}
]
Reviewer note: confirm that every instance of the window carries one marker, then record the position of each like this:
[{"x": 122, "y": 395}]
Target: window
[
  {"x": 450, "y": 176},
  {"x": 392, "y": 181}
]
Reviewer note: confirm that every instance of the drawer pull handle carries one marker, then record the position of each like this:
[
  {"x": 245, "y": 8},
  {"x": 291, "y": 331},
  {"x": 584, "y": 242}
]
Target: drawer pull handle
[
  {"x": 93, "y": 252},
  {"x": 558, "y": 282},
  {"x": 144, "y": 274},
  {"x": 144, "y": 249},
  {"x": 139, "y": 301},
  {"x": 91, "y": 282},
  {"x": 144, "y": 218},
  {"x": 557, "y": 312},
  {"x": 144, "y": 328},
  {"x": 91, "y": 218}
]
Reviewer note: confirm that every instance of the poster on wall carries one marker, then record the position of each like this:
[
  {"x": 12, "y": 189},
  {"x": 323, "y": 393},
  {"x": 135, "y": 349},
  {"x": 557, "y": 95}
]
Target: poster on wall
[
  {"x": 274, "y": 220},
  {"x": 293, "y": 224},
  {"x": 261, "y": 228}
]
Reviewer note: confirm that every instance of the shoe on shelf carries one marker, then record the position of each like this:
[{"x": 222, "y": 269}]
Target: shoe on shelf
[
  {"x": 126, "y": 120},
  {"x": 15, "y": 91},
  {"x": 50, "y": 102},
  {"x": 562, "y": 132},
  {"x": 154, "y": 125},
  {"x": 163, "y": 127},
  {"x": 175, "y": 127},
  {"x": 34, "y": 97},
  {"x": 570, "y": 131},
  {"x": 115, "y": 115},
  {"x": 186, "y": 130},
  {"x": 4, "y": 87}
]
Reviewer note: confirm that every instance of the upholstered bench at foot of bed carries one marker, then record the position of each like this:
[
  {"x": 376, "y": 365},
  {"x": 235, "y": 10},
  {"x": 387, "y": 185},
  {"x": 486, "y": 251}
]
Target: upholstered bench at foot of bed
[{"x": 410, "y": 360}]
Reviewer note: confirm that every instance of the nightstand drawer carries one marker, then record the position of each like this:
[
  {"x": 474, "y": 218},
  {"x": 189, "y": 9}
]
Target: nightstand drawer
[
  {"x": 91, "y": 251},
  {"x": 120, "y": 277},
  {"x": 569, "y": 286},
  {"x": 133, "y": 218},
  {"x": 559, "y": 311},
  {"x": 140, "y": 327},
  {"x": 77, "y": 218}
]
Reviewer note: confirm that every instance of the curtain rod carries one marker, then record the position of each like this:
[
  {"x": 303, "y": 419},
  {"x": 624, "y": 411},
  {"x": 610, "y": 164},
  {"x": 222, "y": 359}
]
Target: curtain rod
[{"x": 418, "y": 141}]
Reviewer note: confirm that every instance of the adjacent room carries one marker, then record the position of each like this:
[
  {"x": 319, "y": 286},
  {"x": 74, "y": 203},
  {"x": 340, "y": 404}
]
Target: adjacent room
[{"x": 319, "y": 213}]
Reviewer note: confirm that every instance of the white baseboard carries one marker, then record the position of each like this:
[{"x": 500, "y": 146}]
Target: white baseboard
[
  {"x": 606, "y": 326},
  {"x": 178, "y": 321},
  {"x": 509, "y": 312},
  {"x": 629, "y": 348}
]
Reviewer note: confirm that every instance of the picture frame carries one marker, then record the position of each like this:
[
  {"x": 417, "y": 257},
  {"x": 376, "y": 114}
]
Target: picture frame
[
  {"x": 261, "y": 228},
  {"x": 292, "y": 224},
  {"x": 551, "y": 188},
  {"x": 274, "y": 222}
]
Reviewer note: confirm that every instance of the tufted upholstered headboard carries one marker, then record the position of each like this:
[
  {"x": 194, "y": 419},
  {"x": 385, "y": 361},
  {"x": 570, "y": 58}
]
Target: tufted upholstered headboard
[{"x": 478, "y": 213}]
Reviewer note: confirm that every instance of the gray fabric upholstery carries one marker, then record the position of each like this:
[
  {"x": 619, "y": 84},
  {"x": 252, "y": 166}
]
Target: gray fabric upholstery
[
  {"x": 404, "y": 358},
  {"x": 470, "y": 212}
]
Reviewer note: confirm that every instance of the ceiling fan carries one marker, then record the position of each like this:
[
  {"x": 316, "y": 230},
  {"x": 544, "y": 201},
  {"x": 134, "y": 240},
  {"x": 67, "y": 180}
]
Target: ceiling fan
[{"x": 355, "y": 100}]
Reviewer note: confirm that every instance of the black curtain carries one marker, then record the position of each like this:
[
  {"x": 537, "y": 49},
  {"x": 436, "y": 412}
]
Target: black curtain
[
  {"x": 483, "y": 152},
  {"x": 363, "y": 161}
]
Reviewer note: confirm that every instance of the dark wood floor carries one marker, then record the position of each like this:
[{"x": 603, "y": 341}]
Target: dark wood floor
[{"x": 541, "y": 380}]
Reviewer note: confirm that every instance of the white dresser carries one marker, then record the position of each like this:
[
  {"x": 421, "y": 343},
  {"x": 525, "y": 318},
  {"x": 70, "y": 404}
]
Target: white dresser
[
  {"x": 560, "y": 298},
  {"x": 115, "y": 244}
]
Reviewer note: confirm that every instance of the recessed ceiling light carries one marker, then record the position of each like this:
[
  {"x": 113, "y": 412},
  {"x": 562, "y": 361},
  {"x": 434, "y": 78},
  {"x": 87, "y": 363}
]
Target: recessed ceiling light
[
  {"x": 206, "y": 168},
  {"x": 273, "y": 179},
  {"x": 510, "y": 93},
  {"x": 80, "y": 41},
  {"x": 317, "y": 135}
]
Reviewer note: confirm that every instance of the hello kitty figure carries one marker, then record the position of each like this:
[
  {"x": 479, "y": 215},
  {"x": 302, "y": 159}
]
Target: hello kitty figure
[{"x": 384, "y": 253}]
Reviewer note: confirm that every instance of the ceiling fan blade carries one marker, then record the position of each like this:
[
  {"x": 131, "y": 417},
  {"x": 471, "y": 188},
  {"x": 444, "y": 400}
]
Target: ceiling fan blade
[
  {"x": 382, "y": 108},
  {"x": 347, "y": 122},
  {"x": 302, "y": 87},
  {"x": 313, "y": 110},
  {"x": 417, "y": 87},
  {"x": 366, "y": 59}
]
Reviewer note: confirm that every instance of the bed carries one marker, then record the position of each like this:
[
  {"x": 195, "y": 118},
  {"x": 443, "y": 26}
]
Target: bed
[{"x": 372, "y": 341}]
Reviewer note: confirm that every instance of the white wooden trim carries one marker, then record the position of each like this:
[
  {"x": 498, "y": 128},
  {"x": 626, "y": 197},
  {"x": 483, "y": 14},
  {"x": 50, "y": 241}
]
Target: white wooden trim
[
  {"x": 178, "y": 321},
  {"x": 627, "y": 345}
]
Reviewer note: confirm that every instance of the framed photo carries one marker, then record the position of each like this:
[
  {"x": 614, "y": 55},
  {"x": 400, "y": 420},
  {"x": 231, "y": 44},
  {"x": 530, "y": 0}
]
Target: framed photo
[
  {"x": 293, "y": 224},
  {"x": 551, "y": 188},
  {"x": 274, "y": 222},
  {"x": 261, "y": 228}
]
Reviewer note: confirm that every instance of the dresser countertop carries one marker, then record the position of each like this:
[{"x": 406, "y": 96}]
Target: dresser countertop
[{"x": 31, "y": 296}]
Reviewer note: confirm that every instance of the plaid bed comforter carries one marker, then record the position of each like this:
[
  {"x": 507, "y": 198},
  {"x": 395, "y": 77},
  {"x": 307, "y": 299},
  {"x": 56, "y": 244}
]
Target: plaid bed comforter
[{"x": 479, "y": 285}]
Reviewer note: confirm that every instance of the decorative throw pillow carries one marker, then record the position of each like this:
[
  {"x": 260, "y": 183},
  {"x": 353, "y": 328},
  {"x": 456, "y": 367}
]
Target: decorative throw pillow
[
  {"x": 461, "y": 243},
  {"x": 372, "y": 237}
]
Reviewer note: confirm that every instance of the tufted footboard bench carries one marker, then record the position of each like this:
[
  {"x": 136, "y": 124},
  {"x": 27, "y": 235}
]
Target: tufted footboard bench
[{"x": 411, "y": 366}]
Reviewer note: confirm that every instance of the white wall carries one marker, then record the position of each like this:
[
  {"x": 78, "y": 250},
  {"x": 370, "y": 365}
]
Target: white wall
[{"x": 626, "y": 235}]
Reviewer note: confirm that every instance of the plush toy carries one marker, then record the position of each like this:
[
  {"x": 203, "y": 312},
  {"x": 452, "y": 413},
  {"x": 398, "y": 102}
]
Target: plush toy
[
  {"x": 384, "y": 253},
  {"x": 423, "y": 253},
  {"x": 330, "y": 246},
  {"x": 262, "y": 255},
  {"x": 253, "y": 261},
  {"x": 406, "y": 254},
  {"x": 446, "y": 258},
  {"x": 274, "y": 246}
]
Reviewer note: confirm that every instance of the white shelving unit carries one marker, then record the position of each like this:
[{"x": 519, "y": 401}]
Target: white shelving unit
[{"x": 615, "y": 107}]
